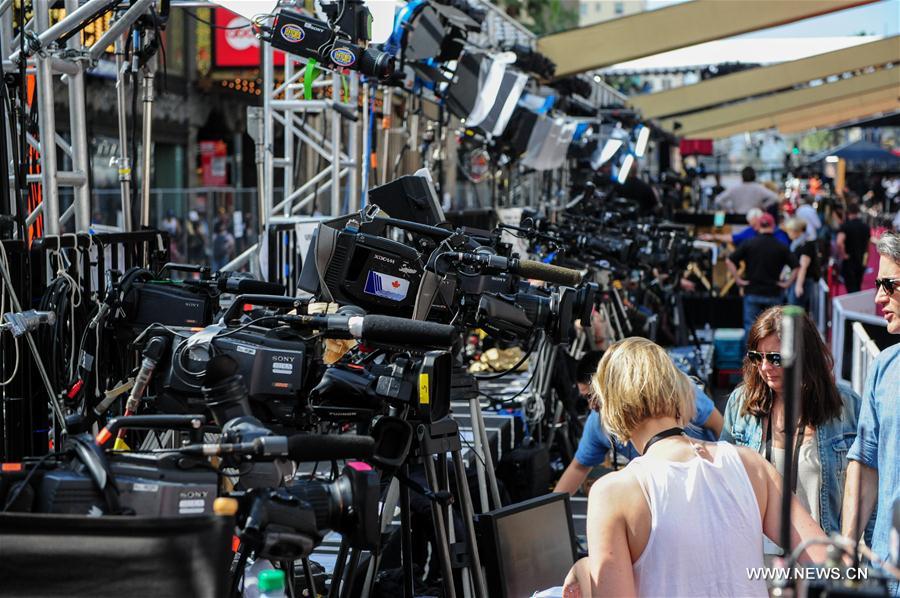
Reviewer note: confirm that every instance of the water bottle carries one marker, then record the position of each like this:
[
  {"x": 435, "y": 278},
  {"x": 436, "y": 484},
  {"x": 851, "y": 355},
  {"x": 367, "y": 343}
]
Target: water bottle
[{"x": 271, "y": 584}]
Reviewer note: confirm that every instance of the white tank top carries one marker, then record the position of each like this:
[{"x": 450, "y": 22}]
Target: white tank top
[{"x": 705, "y": 530}]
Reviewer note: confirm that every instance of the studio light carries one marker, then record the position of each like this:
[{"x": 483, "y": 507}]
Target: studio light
[
  {"x": 625, "y": 168},
  {"x": 642, "y": 133}
]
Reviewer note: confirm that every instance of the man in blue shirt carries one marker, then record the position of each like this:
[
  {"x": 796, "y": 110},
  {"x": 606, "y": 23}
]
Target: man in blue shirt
[
  {"x": 595, "y": 442},
  {"x": 873, "y": 475},
  {"x": 753, "y": 220}
]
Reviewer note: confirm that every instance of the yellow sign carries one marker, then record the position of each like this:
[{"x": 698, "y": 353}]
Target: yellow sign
[{"x": 423, "y": 389}]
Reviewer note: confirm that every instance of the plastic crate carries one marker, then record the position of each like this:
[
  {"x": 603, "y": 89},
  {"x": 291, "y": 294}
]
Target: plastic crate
[{"x": 729, "y": 344}]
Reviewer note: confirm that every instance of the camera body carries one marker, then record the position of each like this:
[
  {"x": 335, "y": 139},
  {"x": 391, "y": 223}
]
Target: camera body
[
  {"x": 420, "y": 384},
  {"x": 334, "y": 44},
  {"x": 352, "y": 267},
  {"x": 276, "y": 365}
]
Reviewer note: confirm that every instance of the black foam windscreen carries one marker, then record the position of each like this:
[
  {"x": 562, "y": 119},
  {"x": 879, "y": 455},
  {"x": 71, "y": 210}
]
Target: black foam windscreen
[
  {"x": 549, "y": 273},
  {"x": 400, "y": 331},
  {"x": 315, "y": 447}
]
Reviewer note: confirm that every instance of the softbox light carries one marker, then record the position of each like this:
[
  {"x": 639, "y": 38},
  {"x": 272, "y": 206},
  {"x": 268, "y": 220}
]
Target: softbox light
[{"x": 549, "y": 143}]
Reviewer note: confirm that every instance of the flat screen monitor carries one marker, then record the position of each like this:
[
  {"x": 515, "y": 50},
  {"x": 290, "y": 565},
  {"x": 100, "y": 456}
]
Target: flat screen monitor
[{"x": 528, "y": 546}]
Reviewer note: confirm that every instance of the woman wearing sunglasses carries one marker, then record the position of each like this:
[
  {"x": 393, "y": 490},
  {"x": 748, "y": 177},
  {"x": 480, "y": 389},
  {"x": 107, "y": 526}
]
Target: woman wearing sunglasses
[{"x": 824, "y": 430}]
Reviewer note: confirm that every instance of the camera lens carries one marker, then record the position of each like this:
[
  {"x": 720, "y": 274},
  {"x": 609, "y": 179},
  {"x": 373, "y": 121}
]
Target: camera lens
[{"x": 375, "y": 63}]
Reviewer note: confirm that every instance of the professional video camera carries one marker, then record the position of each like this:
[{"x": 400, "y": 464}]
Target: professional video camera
[
  {"x": 339, "y": 43},
  {"x": 275, "y": 521},
  {"x": 462, "y": 281},
  {"x": 277, "y": 354},
  {"x": 143, "y": 297}
]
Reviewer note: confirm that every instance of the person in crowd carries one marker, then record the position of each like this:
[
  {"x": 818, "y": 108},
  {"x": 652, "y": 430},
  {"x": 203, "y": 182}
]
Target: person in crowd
[
  {"x": 642, "y": 521},
  {"x": 808, "y": 213},
  {"x": 853, "y": 248},
  {"x": 742, "y": 198},
  {"x": 765, "y": 258},
  {"x": 223, "y": 246},
  {"x": 806, "y": 253},
  {"x": 196, "y": 238},
  {"x": 171, "y": 225},
  {"x": 595, "y": 443},
  {"x": 748, "y": 233},
  {"x": 825, "y": 426},
  {"x": 873, "y": 476}
]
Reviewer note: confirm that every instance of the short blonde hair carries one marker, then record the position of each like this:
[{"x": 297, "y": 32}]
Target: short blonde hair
[
  {"x": 798, "y": 225},
  {"x": 635, "y": 381}
]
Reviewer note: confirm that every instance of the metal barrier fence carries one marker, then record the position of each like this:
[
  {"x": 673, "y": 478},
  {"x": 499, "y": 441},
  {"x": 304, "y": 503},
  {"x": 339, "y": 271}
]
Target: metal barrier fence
[{"x": 864, "y": 353}]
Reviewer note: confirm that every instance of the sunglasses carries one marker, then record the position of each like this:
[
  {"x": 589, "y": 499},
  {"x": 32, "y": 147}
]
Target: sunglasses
[
  {"x": 756, "y": 358},
  {"x": 888, "y": 284}
]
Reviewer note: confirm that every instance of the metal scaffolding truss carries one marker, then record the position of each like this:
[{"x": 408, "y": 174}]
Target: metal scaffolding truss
[
  {"x": 47, "y": 60},
  {"x": 286, "y": 122}
]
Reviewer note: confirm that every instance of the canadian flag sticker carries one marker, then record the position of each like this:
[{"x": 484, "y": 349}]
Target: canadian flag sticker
[{"x": 387, "y": 286}]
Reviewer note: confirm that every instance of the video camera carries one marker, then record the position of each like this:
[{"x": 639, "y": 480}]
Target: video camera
[{"x": 338, "y": 43}]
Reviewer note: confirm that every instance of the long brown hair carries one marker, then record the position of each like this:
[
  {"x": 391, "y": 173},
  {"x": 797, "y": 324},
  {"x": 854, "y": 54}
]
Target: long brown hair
[{"x": 819, "y": 397}]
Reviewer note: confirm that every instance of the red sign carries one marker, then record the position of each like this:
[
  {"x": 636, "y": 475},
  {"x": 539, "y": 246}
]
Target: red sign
[
  {"x": 696, "y": 147},
  {"x": 236, "y": 44},
  {"x": 213, "y": 163}
]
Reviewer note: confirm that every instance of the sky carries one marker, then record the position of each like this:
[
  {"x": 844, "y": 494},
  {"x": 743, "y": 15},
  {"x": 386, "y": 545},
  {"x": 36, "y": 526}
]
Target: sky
[{"x": 879, "y": 18}]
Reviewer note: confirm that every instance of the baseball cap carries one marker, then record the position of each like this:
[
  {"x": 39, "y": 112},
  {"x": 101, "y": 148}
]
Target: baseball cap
[{"x": 766, "y": 221}]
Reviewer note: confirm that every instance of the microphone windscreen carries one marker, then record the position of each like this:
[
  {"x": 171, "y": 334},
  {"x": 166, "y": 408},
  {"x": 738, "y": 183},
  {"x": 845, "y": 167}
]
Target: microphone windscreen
[
  {"x": 401, "y": 331},
  {"x": 549, "y": 273},
  {"x": 315, "y": 447}
]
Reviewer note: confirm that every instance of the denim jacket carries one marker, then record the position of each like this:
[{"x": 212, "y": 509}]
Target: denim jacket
[{"x": 834, "y": 439}]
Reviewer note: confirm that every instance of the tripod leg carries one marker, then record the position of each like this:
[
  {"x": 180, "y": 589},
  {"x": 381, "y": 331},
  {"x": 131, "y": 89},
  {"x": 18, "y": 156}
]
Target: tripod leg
[
  {"x": 409, "y": 585},
  {"x": 310, "y": 582},
  {"x": 488, "y": 462},
  {"x": 391, "y": 500},
  {"x": 465, "y": 502},
  {"x": 478, "y": 445},
  {"x": 440, "y": 532},
  {"x": 338, "y": 574},
  {"x": 352, "y": 566}
]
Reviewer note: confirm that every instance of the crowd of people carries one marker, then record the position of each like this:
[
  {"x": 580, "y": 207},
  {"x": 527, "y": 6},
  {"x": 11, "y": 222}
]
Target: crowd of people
[
  {"x": 690, "y": 467},
  {"x": 192, "y": 241},
  {"x": 791, "y": 242},
  {"x": 846, "y": 461}
]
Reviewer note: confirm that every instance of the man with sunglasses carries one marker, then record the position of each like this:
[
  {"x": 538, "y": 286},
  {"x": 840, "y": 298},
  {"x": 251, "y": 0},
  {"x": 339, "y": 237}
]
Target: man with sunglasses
[{"x": 873, "y": 476}]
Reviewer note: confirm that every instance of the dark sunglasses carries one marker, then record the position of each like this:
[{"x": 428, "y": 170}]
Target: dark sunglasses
[
  {"x": 888, "y": 284},
  {"x": 756, "y": 358}
]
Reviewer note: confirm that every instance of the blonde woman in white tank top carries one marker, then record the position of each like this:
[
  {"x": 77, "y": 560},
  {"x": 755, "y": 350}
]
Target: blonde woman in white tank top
[{"x": 643, "y": 521}]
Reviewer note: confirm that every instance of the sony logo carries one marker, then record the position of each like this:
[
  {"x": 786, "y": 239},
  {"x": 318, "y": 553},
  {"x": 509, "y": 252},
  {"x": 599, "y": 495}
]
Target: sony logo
[
  {"x": 193, "y": 494},
  {"x": 384, "y": 258},
  {"x": 192, "y": 304},
  {"x": 283, "y": 359}
]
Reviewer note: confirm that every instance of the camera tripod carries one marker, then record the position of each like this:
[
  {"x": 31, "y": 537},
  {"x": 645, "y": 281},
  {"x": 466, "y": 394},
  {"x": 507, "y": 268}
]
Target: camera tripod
[{"x": 432, "y": 443}]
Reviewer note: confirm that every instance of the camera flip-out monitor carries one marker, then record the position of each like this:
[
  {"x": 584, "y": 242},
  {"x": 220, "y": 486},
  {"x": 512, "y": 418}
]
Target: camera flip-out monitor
[{"x": 528, "y": 546}]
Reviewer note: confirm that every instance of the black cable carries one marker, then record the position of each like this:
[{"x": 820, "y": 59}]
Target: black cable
[
  {"x": 510, "y": 370},
  {"x": 213, "y": 25},
  {"x": 515, "y": 396},
  {"x": 27, "y": 479}
]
